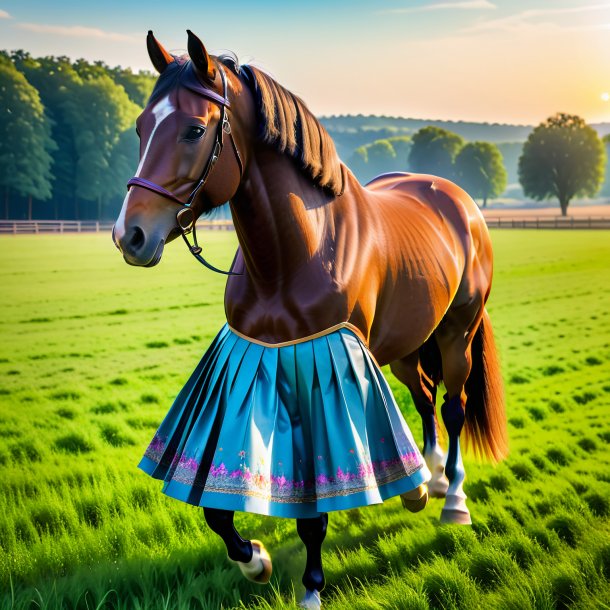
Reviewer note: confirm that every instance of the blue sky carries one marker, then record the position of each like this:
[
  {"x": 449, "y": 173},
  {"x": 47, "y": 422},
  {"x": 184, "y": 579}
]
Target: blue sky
[{"x": 492, "y": 60}]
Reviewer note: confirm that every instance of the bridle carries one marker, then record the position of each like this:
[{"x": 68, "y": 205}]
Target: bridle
[{"x": 186, "y": 216}]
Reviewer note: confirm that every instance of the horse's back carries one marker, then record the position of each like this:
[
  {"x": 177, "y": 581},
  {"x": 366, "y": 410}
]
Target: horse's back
[
  {"x": 410, "y": 191},
  {"x": 436, "y": 245}
]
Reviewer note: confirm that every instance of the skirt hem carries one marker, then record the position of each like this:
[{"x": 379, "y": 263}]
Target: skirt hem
[{"x": 291, "y": 510}]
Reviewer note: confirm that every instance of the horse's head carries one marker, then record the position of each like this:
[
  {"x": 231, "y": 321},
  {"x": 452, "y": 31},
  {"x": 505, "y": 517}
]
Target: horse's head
[{"x": 190, "y": 161}]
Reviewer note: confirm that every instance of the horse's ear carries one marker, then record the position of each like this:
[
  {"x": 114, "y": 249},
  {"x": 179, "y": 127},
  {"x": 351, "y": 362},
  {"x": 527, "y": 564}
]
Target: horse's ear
[
  {"x": 158, "y": 55},
  {"x": 200, "y": 58}
]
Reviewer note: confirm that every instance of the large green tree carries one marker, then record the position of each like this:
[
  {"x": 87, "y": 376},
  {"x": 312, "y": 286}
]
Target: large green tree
[
  {"x": 563, "y": 157},
  {"x": 58, "y": 83},
  {"x": 25, "y": 138},
  {"x": 433, "y": 151},
  {"x": 100, "y": 114},
  {"x": 480, "y": 170}
]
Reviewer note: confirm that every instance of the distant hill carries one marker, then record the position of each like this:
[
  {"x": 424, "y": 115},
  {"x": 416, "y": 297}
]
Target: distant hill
[{"x": 351, "y": 131}]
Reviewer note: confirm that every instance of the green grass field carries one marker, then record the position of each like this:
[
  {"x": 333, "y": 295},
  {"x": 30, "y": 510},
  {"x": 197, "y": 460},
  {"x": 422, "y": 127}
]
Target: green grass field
[{"x": 93, "y": 351}]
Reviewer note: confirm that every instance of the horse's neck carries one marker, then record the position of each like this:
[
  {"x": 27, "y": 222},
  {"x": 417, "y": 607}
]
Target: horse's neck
[{"x": 279, "y": 215}]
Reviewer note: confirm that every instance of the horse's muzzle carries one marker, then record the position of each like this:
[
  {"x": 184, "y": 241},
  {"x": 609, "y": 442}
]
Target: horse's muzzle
[{"x": 138, "y": 249}]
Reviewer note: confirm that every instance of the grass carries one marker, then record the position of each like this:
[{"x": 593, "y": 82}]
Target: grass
[{"x": 93, "y": 351}]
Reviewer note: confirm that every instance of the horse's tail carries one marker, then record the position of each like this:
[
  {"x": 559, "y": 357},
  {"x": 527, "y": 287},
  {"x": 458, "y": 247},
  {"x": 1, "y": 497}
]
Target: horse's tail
[{"x": 485, "y": 423}]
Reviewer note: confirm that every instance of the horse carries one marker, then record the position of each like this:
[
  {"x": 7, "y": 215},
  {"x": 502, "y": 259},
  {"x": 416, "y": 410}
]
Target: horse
[{"x": 405, "y": 262}]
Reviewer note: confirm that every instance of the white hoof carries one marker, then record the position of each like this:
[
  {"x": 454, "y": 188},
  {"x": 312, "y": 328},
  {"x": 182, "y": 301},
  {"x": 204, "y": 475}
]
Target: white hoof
[
  {"x": 259, "y": 568},
  {"x": 311, "y": 600},
  {"x": 456, "y": 517},
  {"x": 455, "y": 510}
]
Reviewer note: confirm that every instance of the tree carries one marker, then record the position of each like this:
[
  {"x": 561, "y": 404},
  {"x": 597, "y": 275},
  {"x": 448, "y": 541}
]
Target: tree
[
  {"x": 402, "y": 148},
  {"x": 25, "y": 138},
  {"x": 100, "y": 112},
  {"x": 137, "y": 86},
  {"x": 563, "y": 157},
  {"x": 380, "y": 156},
  {"x": 480, "y": 170},
  {"x": 433, "y": 151},
  {"x": 57, "y": 83},
  {"x": 606, "y": 187}
]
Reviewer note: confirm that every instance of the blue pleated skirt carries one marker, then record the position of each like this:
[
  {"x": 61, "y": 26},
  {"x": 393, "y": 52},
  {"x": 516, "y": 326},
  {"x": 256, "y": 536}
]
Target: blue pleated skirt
[{"x": 288, "y": 431}]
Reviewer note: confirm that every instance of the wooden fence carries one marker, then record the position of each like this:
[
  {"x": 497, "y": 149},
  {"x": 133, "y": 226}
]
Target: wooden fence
[
  {"x": 17, "y": 227},
  {"x": 549, "y": 222}
]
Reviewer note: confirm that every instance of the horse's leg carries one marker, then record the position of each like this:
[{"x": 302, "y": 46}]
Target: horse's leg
[
  {"x": 423, "y": 392},
  {"x": 312, "y": 532},
  {"x": 454, "y": 338},
  {"x": 250, "y": 555}
]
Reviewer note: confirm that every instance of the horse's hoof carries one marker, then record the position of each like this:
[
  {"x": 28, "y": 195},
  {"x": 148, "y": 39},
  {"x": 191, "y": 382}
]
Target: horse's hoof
[
  {"x": 311, "y": 600},
  {"x": 439, "y": 483},
  {"x": 416, "y": 499},
  {"x": 457, "y": 517},
  {"x": 259, "y": 568}
]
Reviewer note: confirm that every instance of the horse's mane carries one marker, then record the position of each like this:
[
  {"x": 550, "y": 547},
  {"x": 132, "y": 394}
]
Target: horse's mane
[
  {"x": 285, "y": 122},
  {"x": 289, "y": 126}
]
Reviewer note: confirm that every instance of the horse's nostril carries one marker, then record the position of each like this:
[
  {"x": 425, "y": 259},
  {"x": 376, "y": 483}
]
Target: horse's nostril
[{"x": 136, "y": 240}]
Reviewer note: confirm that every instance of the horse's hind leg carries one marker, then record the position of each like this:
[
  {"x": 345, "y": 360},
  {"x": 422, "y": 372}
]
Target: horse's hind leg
[
  {"x": 312, "y": 532},
  {"x": 454, "y": 338},
  {"x": 250, "y": 555},
  {"x": 423, "y": 392}
]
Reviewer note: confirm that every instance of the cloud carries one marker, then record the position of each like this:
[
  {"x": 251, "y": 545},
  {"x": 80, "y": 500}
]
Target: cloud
[
  {"x": 439, "y": 6},
  {"x": 76, "y": 31},
  {"x": 531, "y": 17},
  {"x": 4, "y": 15}
]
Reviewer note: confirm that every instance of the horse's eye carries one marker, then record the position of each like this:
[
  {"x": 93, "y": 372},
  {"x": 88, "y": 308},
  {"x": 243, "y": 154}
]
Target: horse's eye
[{"x": 194, "y": 133}]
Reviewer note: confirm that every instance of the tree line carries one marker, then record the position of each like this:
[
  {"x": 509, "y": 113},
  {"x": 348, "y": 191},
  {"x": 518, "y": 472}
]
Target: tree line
[
  {"x": 67, "y": 138},
  {"x": 562, "y": 158},
  {"x": 68, "y": 145}
]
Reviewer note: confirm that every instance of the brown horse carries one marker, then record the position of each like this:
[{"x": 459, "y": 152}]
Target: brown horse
[{"x": 406, "y": 260}]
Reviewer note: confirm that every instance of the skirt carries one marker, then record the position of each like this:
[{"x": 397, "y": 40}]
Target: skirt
[{"x": 289, "y": 431}]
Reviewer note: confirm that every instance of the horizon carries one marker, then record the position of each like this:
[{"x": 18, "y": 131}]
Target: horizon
[{"x": 481, "y": 61}]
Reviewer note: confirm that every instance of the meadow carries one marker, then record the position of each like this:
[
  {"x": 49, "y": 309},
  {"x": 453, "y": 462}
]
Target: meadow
[{"x": 93, "y": 352}]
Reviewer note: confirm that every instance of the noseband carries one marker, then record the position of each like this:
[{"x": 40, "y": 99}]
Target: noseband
[{"x": 186, "y": 216}]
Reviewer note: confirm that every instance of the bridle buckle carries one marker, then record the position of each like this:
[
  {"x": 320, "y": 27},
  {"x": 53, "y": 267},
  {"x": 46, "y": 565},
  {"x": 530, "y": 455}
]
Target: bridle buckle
[{"x": 186, "y": 219}]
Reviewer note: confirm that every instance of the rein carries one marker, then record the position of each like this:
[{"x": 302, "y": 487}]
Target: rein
[{"x": 186, "y": 216}]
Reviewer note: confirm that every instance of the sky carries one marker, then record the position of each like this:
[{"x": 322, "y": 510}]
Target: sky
[{"x": 504, "y": 61}]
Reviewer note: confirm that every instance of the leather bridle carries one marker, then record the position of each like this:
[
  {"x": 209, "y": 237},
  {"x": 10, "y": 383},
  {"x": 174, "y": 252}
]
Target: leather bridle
[{"x": 186, "y": 216}]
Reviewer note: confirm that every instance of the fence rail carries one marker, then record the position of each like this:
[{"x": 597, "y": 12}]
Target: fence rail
[
  {"x": 18, "y": 227},
  {"x": 554, "y": 222}
]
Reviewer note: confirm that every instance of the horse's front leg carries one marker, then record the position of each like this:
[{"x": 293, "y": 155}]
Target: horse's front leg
[
  {"x": 312, "y": 532},
  {"x": 250, "y": 555}
]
